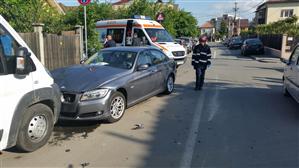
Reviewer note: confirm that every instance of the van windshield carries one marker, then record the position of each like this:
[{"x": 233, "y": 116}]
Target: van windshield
[{"x": 159, "y": 35}]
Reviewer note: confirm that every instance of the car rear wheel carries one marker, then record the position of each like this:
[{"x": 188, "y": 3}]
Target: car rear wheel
[
  {"x": 169, "y": 85},
  {"x": 117, "y": 107},
  {"x": 286, "y": 93},
  {"x": 36, "y": 128}
]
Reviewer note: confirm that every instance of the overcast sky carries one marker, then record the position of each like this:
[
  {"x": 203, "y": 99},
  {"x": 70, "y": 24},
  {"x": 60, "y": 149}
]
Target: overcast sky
[{"x": 204, "y": 10}]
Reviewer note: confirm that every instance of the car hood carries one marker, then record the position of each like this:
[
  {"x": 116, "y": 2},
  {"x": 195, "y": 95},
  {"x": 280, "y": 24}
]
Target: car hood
[{"x": 81, "y": 78}]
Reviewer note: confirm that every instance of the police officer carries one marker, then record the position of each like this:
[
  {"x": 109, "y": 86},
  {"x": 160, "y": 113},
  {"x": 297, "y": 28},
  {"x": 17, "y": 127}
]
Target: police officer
[{"x": 201, "y": 60}]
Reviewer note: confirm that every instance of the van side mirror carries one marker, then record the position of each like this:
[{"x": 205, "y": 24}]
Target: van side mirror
[
  {"x": 142, "y": 67},
  {"x": 23, "y": 66}
]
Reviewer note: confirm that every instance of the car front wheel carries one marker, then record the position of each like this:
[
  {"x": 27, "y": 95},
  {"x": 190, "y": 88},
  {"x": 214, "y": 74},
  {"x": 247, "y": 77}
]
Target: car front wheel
[
  {"x": 36, "y": 128},
  {"x": 117, "y": 107}
]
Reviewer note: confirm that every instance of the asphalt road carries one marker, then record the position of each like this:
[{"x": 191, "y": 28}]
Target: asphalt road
[{"x": 240, "y": 119}]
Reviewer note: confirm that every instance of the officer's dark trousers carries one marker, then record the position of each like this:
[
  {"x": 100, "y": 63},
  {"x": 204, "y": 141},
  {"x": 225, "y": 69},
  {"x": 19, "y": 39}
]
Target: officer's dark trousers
[{"x": 200, "y": 77}]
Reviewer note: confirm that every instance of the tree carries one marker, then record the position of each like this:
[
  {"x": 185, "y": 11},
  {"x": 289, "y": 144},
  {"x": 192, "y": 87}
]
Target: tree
[
  {"x": 22, "y": 14},
  {"x": 95, "y": 11},
  {"x": 223, "y": 29},
  {"x": 288, "y": 26}
]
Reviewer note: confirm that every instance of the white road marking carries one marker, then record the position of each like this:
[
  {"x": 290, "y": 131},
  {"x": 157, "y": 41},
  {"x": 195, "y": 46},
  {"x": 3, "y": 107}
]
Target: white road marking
[
  {"x": 191, "y": 141},
  {"x": 214, "y": 105},
  {"x": 192, "y": 136},
  {"x": 215, "y": 53}
]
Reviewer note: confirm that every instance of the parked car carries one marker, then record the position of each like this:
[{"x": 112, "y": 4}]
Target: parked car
[
  {"x": 112, "y": 80},
  {"x": 226, "y": 42},
  {"x": 29, "y": 99},
  {"x": 187, "y": 43},
  {"x": 235, "y": 43},
  {"x": 291, "y": 75},
  {"x": 252, "y": 46}
]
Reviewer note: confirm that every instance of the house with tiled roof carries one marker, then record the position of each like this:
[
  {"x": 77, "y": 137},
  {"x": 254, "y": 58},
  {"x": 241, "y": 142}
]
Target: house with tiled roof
[
  {"x": 122, "y": 3},
  {"x": 207, "y": 29},
  {"x": 275, "y": 10}
]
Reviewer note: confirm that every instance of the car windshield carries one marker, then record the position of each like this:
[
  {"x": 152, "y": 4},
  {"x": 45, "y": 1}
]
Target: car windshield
[
  {"x": 237, "y": 40},
  {"x": 117, "y": 59},
  {"x": 159, "y": 35},
  {"x": 254, "y": 41}
]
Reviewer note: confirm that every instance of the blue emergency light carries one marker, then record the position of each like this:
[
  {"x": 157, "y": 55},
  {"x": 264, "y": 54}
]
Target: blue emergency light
[{"x": 141, "y": 17}]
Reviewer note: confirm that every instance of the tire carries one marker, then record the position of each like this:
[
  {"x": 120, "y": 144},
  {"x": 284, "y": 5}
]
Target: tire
[
  {"x": 31, "y": 138},
  {"x": 169, "y": 85},
  {"x": 114, "y": 115},
  {"x": 286, "y": 93}
]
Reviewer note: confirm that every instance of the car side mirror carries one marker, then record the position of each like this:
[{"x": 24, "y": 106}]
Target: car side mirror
[
  {"x": 142, "y": 67},
  {"x": 82, "y": 61},
  {"x": 23, "y": 66}
]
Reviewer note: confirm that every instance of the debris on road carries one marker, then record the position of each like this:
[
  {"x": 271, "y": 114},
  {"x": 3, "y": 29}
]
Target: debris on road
[
  {"x": 177, "y": 142},
  {"x": 138, "y": 126},
  {"x": 67, "y": 150},
  {"x": 1, "y": 153},
  {"x": 85, "y": 164}
]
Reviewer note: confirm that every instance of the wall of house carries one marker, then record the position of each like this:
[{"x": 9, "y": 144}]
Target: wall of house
[
  {"x": 208, "y": 31},
  {"x": 274, "y": 11}
]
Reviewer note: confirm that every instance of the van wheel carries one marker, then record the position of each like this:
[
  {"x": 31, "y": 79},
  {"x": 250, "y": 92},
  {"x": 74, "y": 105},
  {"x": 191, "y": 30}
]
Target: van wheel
[
  {"x": 117, "y": 107},
  {"x": 36, "y": 128},
  {"x": 169, "y": 85}
]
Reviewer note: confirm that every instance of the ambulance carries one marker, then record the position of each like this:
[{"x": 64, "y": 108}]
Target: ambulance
[{"x": 148, "y": 32}]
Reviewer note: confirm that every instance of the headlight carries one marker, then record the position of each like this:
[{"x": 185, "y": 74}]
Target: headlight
[
  {"x": 95, "y": 94},
  {"x": 169, "y": 54}
]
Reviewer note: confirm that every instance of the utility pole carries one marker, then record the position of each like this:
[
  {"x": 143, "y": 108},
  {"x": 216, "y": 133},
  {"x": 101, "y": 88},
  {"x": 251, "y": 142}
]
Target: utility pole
[
  {"x": 235, "y": 10},
  {"x": 235, "y": 17}
]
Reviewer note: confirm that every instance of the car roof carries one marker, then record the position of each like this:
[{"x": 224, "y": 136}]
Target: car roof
[
  {"x": 130, "y": 49},
  {"x": 253, "y": 39}
]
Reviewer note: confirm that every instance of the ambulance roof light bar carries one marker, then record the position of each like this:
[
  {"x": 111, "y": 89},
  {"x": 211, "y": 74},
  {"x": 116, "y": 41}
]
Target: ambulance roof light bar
[{"x": 141, "y": 17}]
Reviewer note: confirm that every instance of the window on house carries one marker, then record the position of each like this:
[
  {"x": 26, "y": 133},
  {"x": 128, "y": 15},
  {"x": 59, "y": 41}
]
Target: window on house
[{"x": 287, "y": 13}]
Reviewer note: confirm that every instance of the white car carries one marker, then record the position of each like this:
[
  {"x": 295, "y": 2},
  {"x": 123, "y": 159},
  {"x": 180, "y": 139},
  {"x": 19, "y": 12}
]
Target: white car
[
  {"x": 29, "y": 99},
  {"x": 291, "y": 75}
]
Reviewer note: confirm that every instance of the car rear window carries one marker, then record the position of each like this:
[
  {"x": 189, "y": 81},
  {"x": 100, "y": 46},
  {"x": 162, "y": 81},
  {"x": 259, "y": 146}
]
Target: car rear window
[{"x": 254, "y": 42}]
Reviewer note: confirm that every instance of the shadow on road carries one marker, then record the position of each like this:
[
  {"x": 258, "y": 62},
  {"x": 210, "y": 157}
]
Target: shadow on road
[
  {"x": 252, "y": 126},
  {"x": 66, "y": 130}
]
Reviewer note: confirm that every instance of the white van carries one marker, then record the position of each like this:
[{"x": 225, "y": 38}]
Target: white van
[
  {"x": 291, "y": 75},
  {"x": 29, "y": 99},
  {"x": 149, "y": 33}
]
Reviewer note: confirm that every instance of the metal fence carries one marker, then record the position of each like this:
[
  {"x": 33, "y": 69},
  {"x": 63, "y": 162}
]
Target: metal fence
[
  {"x": 59, "y": 50},
  {"x": 272, "y": 41}
]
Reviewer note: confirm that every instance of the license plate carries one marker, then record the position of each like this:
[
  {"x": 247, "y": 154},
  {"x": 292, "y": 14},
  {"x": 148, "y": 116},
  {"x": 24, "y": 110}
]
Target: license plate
[{"x": 180, "y": 62}]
